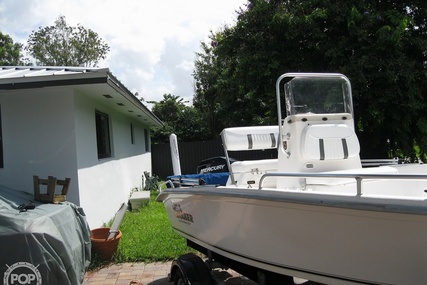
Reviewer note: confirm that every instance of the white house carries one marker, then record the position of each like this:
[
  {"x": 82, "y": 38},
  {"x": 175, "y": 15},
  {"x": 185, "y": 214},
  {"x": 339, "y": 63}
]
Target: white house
[{"x": 80, "y": 123}]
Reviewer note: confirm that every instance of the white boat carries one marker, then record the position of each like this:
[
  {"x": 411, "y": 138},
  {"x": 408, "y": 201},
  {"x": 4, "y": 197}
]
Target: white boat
[{"x": 313, "y": 213}]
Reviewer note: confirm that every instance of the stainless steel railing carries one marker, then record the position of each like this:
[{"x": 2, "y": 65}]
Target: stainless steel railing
[{"x": 358, "y": 177}]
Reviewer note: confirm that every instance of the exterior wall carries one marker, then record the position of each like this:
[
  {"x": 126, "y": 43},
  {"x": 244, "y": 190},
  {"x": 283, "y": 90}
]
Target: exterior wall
[
  {"x": 51, "y": 131},
  {"x": 104, "y": 184},
  {"x": 38, "y": 138}
]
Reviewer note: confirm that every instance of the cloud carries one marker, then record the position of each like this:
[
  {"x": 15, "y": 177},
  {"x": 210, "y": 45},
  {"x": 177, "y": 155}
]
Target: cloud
[{"x": 152, "y": 43}]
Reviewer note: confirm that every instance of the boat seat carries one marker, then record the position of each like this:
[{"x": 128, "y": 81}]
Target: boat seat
[
  {"x": 250, "y": 166},
  {"x": 329, "y": 142},
  {"x": 250, "y": 138},
  {"x": 249, "y": 172}
]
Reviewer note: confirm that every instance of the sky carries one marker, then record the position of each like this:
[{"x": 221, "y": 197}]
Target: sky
[{"x": 153, "y": 43}]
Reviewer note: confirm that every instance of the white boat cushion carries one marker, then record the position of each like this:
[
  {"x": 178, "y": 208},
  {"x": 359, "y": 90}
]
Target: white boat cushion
[
  {"x": 263, "y": 165},
  {"x": 329, "y": 141},
  {"x": 250, "y": 138}
]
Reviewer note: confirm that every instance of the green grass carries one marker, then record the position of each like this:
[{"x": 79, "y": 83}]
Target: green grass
[{"x": 147, "y": 236}]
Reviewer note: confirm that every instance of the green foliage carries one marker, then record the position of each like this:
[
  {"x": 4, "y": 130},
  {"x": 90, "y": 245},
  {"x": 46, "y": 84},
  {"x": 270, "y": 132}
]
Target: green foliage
[
  {"x": 380, "y": 46},
  {"x": 62, "y": 45},
  {"x": 10, "y": 52},
  {"x": 206, "y": 97},
  {"x": 184, "y": 121}
]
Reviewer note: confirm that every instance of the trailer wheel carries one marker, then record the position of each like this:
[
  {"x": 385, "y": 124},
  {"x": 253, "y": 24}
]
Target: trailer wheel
[
  {"x": 179, "y": 278},
  {"x": 190, "y": 269}
]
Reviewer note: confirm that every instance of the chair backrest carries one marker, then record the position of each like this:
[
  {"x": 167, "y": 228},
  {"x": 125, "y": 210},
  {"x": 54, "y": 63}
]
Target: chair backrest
[
  {"x": 329, "y": 142},
  {"x": 51, "y": 182},
  {"x": 250, "y": 138}
]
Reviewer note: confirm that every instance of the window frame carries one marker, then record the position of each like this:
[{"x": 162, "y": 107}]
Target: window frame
[
  {"x": 132, "y": 134},
  {"x": 103, "y": 134},
  {"x": 147, "y": 140},
  {"x": 1, "y": 143}
]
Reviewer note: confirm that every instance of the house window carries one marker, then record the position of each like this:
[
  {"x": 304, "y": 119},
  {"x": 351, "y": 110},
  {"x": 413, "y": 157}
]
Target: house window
[
  {"x": 132, "y": 135},
  {"x": 147, "y": 140},
  {"x": 1, "y": 144},
  {"x": 103, "y": 135}
]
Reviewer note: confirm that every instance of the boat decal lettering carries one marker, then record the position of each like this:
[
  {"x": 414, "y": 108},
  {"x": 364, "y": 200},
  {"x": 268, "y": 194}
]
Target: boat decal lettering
[
  {"x": 181, "y": 215},
  {"x": 212, "y": 168}
]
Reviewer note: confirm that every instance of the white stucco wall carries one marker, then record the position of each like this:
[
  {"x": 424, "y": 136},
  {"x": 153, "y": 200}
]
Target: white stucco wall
[
  {"x": 105, "y": 184},
  {"x": 51, "y": 131},
  {"x": 38, "y": 138}
]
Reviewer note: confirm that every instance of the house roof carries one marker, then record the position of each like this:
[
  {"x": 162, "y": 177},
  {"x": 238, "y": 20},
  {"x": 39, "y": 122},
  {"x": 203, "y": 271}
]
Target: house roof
[{"x": 98, "y": 83}]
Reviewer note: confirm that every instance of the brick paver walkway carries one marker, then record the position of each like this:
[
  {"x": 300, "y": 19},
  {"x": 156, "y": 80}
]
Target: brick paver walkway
[{"x": 148, "y": 274}]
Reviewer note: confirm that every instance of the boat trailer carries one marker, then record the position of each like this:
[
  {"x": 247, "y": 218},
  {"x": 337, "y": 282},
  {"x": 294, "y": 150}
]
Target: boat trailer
[{"x": 190, "y": 269}]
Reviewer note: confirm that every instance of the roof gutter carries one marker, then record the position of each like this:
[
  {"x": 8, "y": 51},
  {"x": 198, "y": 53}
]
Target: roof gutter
[
  {"x": 95, "y": 76},
  {"x": 51, "y": 83}
]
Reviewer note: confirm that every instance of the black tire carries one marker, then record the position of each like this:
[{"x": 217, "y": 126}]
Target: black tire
[{"x": 179, "y": 278}]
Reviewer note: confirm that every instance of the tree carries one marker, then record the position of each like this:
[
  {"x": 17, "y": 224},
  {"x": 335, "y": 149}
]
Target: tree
[
  {"x": 206, "y": 78},
  {"x": 182, "y": 120},
  {"x": 10, "y": 52},
  {"x": 380, "y": 45},
  {"x": 62, "y": 45}
]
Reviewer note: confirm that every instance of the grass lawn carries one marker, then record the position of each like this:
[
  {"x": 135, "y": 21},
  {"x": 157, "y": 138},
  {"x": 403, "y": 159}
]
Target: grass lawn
[{"x": 147, "y": 237}]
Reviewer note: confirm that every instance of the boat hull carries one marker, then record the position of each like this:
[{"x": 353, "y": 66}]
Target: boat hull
[{"x": 320, "y": 238}]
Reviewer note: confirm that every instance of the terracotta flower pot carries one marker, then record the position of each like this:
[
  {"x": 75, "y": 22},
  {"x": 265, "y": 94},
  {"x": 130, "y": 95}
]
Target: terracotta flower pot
[{"x": 100, "y": 245}]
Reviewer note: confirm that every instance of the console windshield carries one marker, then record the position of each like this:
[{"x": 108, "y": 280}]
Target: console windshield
[{"x": 317, "y": 95}]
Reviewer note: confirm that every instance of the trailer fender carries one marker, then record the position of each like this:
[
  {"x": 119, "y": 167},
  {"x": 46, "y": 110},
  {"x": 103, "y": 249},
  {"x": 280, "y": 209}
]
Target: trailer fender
[{"x": 192, "y": 269}]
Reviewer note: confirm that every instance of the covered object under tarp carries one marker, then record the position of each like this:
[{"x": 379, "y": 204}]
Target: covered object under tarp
[{"x": 49, "y": 244}]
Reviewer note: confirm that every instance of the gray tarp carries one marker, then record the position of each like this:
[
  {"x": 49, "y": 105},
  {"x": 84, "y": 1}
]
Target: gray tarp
[{"x": 53, "y": 238}]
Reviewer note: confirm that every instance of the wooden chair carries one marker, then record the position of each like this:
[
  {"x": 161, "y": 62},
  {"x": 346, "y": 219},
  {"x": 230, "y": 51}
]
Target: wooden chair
[{"x": 50, "y": 196}]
